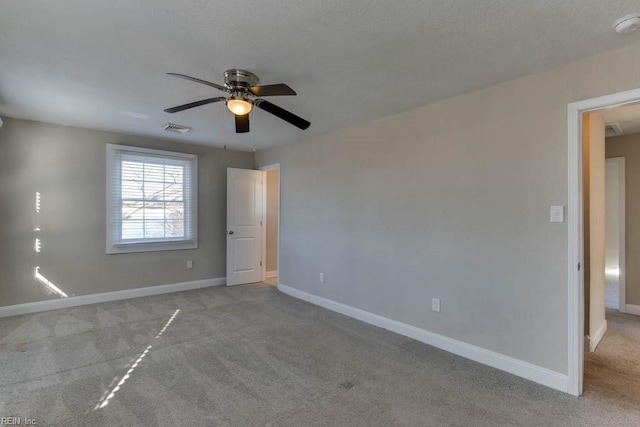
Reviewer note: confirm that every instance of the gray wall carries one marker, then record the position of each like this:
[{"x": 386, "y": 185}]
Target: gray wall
[
  {"x": 628, "y": 146},
  {"x": 450, "y": 200},
  {"x": 67, "y": 166}
]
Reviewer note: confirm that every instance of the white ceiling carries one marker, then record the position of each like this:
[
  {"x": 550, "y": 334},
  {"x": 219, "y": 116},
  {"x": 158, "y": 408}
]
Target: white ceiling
[
  {"x": 627, "y": 117},
  {"x": 92, "y": 63}
]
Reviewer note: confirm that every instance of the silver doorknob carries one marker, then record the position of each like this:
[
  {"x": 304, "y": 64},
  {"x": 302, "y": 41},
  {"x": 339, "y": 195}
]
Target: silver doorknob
[{"x": 231, "y": 232}]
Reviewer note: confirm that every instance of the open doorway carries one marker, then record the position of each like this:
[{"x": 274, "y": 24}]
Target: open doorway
[
  {"x": 579, "y": 306},
  {"x": 271, "y": 229},
  {"x": 253, "y": 225},
  {"x": 610, "y": 172}
]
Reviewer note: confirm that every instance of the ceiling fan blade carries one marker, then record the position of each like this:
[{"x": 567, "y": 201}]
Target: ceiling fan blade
[
  {"x": 280, "y": 89},
  {"x": 242, "y": 123},
  {"x": 194, "y": 104},
  {"x": 204, "y": 82},
  {"x": 282, "y": 113}
]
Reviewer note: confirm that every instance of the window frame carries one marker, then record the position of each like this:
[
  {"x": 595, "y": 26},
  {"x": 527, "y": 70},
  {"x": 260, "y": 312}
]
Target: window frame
[{"x": 114, "y": 244}]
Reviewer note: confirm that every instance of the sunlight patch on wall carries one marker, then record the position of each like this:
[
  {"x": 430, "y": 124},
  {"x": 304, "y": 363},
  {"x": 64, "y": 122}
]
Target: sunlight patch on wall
[{"x": 50, "y": 285}]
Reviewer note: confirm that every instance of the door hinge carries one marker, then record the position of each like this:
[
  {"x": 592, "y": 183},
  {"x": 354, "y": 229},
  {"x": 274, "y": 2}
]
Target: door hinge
[
  {"x": 578, "y": 266},
  {"x": 260, "y": 263},
  {"x": 260, "y": 223}
]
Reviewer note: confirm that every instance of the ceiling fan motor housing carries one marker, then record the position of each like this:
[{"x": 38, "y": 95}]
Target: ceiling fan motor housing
[{"x": 240, "y": 80}]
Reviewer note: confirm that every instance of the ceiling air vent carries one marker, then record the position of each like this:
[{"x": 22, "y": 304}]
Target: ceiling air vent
[
  {"x": 172, "y": 127},
  {"x": 612, "y": 129}
]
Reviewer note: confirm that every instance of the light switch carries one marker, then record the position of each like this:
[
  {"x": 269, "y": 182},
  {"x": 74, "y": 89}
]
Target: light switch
[{"x": 557, "y": 213}]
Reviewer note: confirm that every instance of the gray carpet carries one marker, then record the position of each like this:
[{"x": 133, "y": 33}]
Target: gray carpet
[
  {"x": 250, "y": 355},
  {"x": 612, "y": 372}
]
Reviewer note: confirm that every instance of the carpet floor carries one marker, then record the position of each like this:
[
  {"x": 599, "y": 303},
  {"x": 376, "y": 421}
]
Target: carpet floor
[
  {"x": 250, "y": 355},
  {"x": 612, "y": 372}
]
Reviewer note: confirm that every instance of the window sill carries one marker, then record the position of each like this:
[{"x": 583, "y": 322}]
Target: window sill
[{"x": 150, "y": 247}]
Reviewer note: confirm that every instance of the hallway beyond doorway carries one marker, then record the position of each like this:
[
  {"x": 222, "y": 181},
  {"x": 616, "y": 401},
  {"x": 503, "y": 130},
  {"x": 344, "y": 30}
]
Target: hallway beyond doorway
[
  {"x": 273, "y": 281},
  {"x": 612, "y": 372}
]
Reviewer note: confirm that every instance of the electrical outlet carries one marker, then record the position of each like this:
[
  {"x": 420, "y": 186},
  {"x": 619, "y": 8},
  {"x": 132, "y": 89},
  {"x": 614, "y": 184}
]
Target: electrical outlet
[
  {"x": 189, "y": 264},
  {"x": 435, "y": 304},
  {"x": 321, "y": 278}
]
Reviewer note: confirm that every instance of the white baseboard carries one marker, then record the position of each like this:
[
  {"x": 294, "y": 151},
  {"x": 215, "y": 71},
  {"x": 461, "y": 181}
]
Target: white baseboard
[
  {"x": 293, "y": 292},
  {"x": 586, "y": 343},
  {"x": 632, "y": 309},
  {"x": 273, "y": 273},
  {"x": 594, "y": 340},
  {"x": 538, "y": 374},
  {"x": 35, "y": 307}
]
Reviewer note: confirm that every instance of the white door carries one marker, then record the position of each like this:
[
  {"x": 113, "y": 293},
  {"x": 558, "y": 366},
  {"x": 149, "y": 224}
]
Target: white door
[{"x": 244, "y": 226}]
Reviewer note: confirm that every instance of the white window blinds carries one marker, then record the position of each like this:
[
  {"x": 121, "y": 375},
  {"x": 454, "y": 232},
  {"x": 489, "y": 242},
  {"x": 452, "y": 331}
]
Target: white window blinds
[{"x": 151, "y": 200}]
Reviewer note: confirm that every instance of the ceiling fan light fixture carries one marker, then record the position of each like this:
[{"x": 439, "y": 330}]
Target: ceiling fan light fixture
[
  {"x": 238, "y": 106},
  {"x": 242, "y": 85}
]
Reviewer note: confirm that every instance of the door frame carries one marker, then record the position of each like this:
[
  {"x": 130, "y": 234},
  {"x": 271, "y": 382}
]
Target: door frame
[
  {"x": 575, "y": 276},
  {"x": 622, "y": 263},
  {"x": 264, "y": 169}
]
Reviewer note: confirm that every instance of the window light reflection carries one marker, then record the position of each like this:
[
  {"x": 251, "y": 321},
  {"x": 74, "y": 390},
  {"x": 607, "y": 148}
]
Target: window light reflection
[
  {"x": 104, "y": 401},
  {"x": 50, "y": 285},
  {"x": 108, "y": 395},
  {"x": 614, "y": 272},
  {"x": 168, "y": 323}
]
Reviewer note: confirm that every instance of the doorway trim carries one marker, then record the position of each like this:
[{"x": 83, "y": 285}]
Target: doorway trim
[
  {"x": 575, "y": 276},
  {"x": 622, "y": 264},
  {"x": 275, "y": 166}
]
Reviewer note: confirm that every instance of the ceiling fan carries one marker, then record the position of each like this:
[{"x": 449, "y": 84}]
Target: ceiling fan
[{"x": 244, "y": 90}]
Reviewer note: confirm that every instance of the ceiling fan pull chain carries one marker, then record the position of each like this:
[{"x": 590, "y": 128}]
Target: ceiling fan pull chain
[
  {"x": 254, "y": 134},
  {"x": 224, "y": 115}
]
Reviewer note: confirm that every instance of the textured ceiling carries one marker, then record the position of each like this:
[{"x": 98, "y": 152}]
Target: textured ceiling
[
  {"x": 627, "y": 117},
  {"x": 102, "y": 64}
]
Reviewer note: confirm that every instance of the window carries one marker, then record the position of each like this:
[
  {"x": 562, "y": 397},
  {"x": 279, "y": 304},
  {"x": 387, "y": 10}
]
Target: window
[{"x": 151, "y": 200}]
